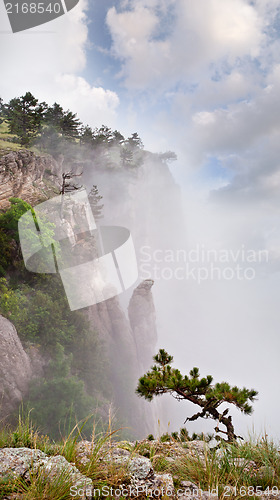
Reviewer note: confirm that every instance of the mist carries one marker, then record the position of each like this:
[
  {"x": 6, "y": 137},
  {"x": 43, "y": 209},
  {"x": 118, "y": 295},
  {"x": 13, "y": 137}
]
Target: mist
[{"x": 216, "y": 279}]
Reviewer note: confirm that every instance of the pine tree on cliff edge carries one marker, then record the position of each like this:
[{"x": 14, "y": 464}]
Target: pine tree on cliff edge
[{"x": 200, "y": 391}]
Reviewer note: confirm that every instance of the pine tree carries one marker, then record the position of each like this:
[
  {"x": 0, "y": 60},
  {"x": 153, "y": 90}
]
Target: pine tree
[
  {"x": 64, "y": 122},
  {"x": 86, "y": 136},
  {"x": 103, "y": 135},
  {"x": 94, "y": 200},
  {"x": 118, "y": 138},
  {"x": 200, "y": 391},
  {"x": 135, "y": 142},
  {"x": 126, "y": 155},
  {"x": 25, "y": 117},
  {"x": 54, "y": 116},
  {"x": 70, "y": 125},
  {"x": 2, "y": 108},
  {"x": 168, "y": 156},
  {"x": 132, "y": 151},
  {"x": 50, "y": 140}
]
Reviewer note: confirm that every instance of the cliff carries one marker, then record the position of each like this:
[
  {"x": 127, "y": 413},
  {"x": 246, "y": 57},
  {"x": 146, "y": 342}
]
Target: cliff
[
  {"x": 126, "y": 324},
  {"x": 131, "y": 344},
  {"x": 34, "y": 179},
  {"x": 141, "y": 313},
  {"x": 28, "y": 176},
  {"x": 15, "y": 368},
  {"x": 125, "y": 350}
]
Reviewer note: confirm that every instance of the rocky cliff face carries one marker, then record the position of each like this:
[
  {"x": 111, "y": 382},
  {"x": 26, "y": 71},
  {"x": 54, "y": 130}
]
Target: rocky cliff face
[
  {"x": 28, "y": 176},
  {"x": 142, "y": 317},
  {"x": 131, "y": 343},
  {"x": 15, "y": 368},
  {"x": 130, "y": 199}
]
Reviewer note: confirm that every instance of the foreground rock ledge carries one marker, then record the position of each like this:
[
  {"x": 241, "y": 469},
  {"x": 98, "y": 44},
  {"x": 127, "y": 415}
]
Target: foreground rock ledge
[{"x": 141, "y": 481}]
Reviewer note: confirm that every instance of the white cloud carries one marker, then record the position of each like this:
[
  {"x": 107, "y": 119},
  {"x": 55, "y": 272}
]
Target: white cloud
[
  {"x": 131, "y": 32},
  {"x": 202, "y": 34},
  {"x": 96, "y": 105},
  {"x": 241, "y": 126},
  {"x": 48, "y": 60}
]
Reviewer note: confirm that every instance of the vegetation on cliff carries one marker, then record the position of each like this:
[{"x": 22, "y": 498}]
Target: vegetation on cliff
[
  {"x": 74, "y": 377},
  {"x": 50, "y": 129}
]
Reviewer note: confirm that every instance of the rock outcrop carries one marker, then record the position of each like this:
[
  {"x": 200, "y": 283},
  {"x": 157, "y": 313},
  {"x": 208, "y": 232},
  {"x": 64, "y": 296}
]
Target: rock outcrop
[
  {"x": 130, "y": 344},
  {"x": 15, "y": 368},
  {"x": 145, "y": 469},
  {"x": 28, "y": 176},
  {"x": 25, "y": 463},
  {"x": 142, "y": 317}
]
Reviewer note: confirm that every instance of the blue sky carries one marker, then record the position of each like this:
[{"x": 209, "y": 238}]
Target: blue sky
[{"x": 103, "y": 65}]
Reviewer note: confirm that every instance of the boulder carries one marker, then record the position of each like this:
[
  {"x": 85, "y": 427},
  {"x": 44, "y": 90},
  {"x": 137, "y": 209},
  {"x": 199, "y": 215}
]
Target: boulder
[
  {"x": 26, "y": 463},
  {"x": 15, "y": 368},
  {"x": 155, "y": 486},
  {"x": 16, "y": 462}
]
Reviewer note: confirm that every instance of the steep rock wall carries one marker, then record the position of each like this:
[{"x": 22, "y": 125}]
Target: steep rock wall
[
  {"x": 130, "y": 343},
  {"x": 28, "y": 176},
  {"x": 15, "y": 368},
  {"x": 142, "y": 317}
]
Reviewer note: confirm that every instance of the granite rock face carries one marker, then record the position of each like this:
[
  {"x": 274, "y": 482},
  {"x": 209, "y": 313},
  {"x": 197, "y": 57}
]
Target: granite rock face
[
  {"x": 28, "y": 176},
  {"x": 16, "y": 462},
  {"x": 130, "y": 345},
  {"x": 25, "y": 462},
  {"x": 15, "y": 368},
  {"x": 141, "y": 313}
]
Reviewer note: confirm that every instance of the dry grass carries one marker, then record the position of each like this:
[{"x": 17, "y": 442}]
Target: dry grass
[{"x": 233, "y": 469}]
